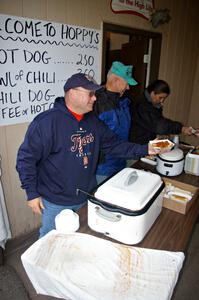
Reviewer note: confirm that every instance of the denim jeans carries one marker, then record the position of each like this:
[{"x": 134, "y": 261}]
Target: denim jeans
[{"x": 49, "y": 214}]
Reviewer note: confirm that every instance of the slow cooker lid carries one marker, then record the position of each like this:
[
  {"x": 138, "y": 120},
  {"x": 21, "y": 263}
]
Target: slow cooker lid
[
  {"x": 173, "y": 155},
  {"x": 130, "y": 188}
]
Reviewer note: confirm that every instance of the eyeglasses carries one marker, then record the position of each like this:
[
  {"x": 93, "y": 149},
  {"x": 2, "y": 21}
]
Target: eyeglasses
[{"x": 90, "y": 93}]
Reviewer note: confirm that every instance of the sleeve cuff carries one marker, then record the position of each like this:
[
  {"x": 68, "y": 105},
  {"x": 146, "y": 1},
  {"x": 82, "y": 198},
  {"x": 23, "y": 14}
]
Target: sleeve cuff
[{"x": 32, "y": 195}]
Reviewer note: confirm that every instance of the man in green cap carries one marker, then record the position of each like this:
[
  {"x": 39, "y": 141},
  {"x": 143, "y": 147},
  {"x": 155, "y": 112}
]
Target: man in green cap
[{"x": 113, "y": 108}]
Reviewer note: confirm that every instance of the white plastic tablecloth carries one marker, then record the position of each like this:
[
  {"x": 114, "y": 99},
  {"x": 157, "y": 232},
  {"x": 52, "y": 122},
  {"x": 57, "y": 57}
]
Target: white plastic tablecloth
[{"x": 77, "y": 266}]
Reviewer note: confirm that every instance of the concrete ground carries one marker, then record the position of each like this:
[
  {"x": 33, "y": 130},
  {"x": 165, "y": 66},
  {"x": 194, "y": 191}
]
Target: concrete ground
[
  {"x": 14, "y": 283},
  {"x": 11, "y": 286},
  {"x": 187, "y": 286}
]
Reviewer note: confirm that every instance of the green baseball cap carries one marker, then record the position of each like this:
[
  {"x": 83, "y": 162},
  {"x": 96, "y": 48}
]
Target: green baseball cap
[{"x": 123, "y": 71}]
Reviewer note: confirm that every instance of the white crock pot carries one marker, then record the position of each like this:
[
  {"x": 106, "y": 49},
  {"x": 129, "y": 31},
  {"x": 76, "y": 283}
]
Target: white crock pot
[
  {"x": 170, "y": 163},
  {"x": 191, "y": 165}
]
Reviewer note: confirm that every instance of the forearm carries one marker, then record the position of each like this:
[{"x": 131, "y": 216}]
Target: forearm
[
  {"x": 167, "y": 126},
  {"x": 27, "y": 170},
  {"x": 127, "y": 150}
]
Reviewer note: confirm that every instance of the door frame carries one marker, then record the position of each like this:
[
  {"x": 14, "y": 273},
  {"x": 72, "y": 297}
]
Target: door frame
[{"x": 156, "y": 49}]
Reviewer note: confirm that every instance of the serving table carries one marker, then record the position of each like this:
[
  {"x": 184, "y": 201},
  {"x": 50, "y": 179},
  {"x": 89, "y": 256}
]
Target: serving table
[
  {"x": 171, "y": 231},
  {"x": 63, "y": 267}
]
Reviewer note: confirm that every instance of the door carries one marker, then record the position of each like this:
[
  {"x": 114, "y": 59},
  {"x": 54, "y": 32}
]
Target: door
[{"x": 134, "y": 53}]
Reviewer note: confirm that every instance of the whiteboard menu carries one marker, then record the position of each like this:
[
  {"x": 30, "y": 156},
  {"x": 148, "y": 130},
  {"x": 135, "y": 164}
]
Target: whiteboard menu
[{"x": 36, "y": 58}]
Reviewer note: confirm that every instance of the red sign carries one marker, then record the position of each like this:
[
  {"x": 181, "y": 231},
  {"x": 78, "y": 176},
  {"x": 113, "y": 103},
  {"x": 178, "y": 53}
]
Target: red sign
[{"x": 142, "y": 8}]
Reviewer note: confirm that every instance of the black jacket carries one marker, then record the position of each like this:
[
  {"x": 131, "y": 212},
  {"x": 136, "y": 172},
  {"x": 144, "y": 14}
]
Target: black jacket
[{"x": 148, "y": 122}]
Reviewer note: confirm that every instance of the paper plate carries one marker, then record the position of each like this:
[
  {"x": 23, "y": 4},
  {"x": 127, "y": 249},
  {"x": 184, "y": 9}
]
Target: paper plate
[{"x": 162, "y": 144}]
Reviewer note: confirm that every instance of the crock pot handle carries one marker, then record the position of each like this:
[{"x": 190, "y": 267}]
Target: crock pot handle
[
  {"x": 107, "y": 215},
  {"x": 131, "y": 178}
]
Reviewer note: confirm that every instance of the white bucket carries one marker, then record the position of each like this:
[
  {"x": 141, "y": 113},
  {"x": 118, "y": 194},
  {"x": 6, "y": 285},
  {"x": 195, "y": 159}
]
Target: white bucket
[{"x": 67, "y": 221}]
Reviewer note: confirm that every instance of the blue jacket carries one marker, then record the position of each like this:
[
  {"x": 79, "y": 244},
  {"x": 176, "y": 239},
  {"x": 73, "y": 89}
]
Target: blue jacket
[
  {"x": 115, "y": 113},
  {"x": 59, "y": 154}
]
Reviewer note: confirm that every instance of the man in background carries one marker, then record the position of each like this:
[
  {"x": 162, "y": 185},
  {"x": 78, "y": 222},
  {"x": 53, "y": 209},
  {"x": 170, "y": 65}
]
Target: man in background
[{"x": 113, "y": 108}]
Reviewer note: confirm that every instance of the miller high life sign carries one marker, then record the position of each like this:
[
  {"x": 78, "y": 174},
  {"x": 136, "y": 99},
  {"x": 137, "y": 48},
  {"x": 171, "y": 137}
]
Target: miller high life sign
[{"x": 142, "y": 8}]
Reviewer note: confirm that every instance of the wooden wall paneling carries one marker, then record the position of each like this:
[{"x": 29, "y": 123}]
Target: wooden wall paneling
[
  {"x": 193, "y": 97},
  {"x": 10, "y": 7},
  {"x": 19, "y": 212},
  {"x": 75, "y": 13},
  {"x": 187, "y": 61},
  {"x": 179, "y": 41},
  {"x": 93, "y": 20},
  {"x": 56, "y": 10},
  {"x": 166, "y": 60},
  {"x": 36, "y": 9},
  {"x": 178, "y": 36},
  {"x": 193, "y": 118},
  {"x": 178, "y": 63}
]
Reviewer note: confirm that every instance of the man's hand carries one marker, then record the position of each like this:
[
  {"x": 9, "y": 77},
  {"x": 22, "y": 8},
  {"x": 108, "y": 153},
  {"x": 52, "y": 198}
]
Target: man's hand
[
  {"x": 155, "y": 150},
  {"x": 187, "y": 130},
  {"x": 152, "y": 150},
  {"x": 36, "y": 205}
]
